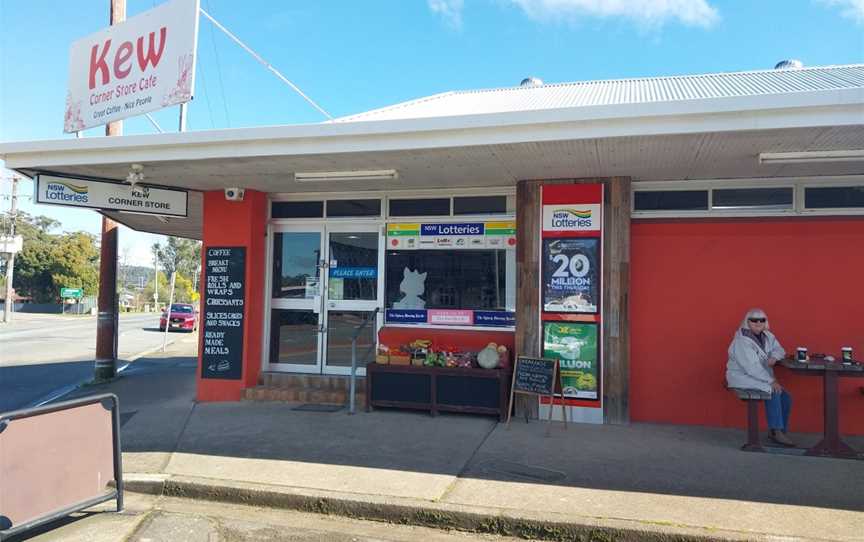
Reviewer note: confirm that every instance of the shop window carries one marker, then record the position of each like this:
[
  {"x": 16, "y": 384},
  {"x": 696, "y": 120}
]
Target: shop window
[
  {"x": 834, "y": 197},
  {"x": 420, "y": 207},
  {"x": 353, "y": 207},
  {"x": 296, "y": 271},
  {"x": 749, "y": 198},
  {"x": 670, "y": 200},
  {"x": 480, "y": 205},
  {"x": 353, "y": 266},
  {"x": 451, "y": 279},
  {"x": 293, "y": 337},
  {"x": 297, "y": 209}
]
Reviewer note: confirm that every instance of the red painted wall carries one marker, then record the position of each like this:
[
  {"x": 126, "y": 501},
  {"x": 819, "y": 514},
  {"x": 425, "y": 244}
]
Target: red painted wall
[
  {"x": 693, "y": 280},
  {"x": 238, "y": 224}
]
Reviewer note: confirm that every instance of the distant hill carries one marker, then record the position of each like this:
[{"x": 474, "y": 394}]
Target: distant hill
[{"x": 134, "y": 276}]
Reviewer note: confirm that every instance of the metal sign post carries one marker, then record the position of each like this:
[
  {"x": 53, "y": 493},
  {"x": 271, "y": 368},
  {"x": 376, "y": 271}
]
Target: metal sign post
[{"x": 168, "y": 312}]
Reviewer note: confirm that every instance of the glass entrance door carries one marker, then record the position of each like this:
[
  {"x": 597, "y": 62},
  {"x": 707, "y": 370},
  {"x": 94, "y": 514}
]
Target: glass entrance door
[
  {"x": 326, "y": 285},
  {"x": 296, "y": 303},
  {"x": 353, "y": 292}
]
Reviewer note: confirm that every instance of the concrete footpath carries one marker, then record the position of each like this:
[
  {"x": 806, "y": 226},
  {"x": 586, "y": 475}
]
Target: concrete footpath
[{"x": 584, "y": 482}]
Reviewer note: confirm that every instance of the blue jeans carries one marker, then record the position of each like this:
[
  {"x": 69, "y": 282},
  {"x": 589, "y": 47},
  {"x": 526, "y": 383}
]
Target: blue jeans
[{"x": 777, "y": 410}]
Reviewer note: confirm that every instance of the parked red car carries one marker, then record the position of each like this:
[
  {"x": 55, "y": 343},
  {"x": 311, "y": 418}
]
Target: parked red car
[{"x": 183, "y": 317}]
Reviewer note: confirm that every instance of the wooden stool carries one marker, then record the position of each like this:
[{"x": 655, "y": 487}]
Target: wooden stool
[{"x": 752, "y": 398}]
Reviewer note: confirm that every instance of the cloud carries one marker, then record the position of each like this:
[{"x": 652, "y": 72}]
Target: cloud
[
  {"x": 645, "y": 12},
  {"x": 449, "y": 10},
  {"x": 851, "y": 9}
]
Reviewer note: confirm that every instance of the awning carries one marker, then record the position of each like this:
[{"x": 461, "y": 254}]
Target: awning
[{"x": 717, "y": 138}]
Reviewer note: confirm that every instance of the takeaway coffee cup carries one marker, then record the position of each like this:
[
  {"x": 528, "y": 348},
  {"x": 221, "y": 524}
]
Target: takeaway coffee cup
[
  {"x": 801, "y": 354},
  {"x": 847, "y": 354}
]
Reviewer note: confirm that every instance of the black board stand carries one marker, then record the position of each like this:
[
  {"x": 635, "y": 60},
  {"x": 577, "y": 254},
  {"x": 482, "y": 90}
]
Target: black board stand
[{"x": 537, "y": 377}]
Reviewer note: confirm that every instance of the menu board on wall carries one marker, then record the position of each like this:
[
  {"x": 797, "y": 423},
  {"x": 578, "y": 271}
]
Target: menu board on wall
[
  {"x": 224, "y": 303},
  {"x": 574, "y": 345},
  {"x": 571, "y": 275}
]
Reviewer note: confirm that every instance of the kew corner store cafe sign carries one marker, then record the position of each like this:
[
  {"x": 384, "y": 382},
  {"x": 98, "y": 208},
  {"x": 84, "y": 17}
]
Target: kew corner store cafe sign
[
  {"x": 132, "y": 68},
  {"x": 110, "y": 196}
]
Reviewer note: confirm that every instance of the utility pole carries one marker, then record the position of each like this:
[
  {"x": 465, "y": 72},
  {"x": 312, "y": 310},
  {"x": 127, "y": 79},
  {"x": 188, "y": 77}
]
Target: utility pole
[
  {"x": 107, "y": 324},
  {"x": 10, "y": 258}
]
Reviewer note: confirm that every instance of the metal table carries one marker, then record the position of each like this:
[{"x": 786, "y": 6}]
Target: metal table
[{"x": 831, "y": 444}]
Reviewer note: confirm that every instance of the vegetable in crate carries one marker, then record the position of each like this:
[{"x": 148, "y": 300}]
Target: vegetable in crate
[{"x": 488, "y": 358}]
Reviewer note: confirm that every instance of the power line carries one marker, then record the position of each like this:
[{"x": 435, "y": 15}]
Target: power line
[
  {"x": 266, "y": 64},
  {"x": 206, "y": 93}
]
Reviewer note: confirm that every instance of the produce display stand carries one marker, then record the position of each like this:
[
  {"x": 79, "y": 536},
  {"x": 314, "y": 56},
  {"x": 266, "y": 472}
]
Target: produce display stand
[{"x": 436, "y": 389}]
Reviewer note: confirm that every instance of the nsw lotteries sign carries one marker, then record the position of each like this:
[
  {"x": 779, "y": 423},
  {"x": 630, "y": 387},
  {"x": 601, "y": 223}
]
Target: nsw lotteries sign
[
  {"x": 452, "y": 236},
  {"x": 132, "y": 68},
  {"x": 110, "y": 196},
  {"x": 571, "y": 218}
]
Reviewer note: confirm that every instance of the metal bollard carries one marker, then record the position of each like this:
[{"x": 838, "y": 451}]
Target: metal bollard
[{"x": 353, "y": 373}]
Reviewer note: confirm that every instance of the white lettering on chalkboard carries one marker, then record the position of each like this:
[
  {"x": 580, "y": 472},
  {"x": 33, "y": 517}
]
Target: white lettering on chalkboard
[{"x": 223, "y": 329}]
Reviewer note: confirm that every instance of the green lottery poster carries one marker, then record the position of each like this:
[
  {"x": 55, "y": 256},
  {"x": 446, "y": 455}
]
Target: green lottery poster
[{"x": 574, "y": 344}]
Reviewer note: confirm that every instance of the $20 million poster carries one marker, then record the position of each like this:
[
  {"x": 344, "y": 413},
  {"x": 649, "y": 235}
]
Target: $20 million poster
[{"x": 571, "y": 275}]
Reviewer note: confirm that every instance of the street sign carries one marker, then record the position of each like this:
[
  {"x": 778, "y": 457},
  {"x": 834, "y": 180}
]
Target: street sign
[
  {"x": 105, "y": 195},
  {"x": 72, "y": 292}
]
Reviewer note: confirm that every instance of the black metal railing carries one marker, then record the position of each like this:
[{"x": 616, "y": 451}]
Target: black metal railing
[{"x": 351, "y": 401}]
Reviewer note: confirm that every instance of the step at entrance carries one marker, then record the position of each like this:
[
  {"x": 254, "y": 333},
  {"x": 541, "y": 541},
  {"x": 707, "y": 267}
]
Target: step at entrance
[{"x": 308, "y": 389}]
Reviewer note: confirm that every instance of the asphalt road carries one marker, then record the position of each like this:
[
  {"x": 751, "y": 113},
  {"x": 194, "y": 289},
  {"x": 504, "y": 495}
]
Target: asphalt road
[{"x": 43, "y": 354}]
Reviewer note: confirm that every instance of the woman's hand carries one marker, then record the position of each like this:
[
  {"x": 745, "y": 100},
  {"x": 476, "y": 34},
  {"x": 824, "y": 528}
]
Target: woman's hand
[
  {"x": 776, "y": 387},
  {"x": 771, "y": 362}
]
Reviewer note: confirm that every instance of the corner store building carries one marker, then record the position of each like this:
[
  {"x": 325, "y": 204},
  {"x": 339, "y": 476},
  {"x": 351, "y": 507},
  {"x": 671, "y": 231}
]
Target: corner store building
[{"x": 696, "y": 228}]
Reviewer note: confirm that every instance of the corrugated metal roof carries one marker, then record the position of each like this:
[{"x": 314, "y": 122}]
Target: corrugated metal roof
[{"x": 622, "y": 91}]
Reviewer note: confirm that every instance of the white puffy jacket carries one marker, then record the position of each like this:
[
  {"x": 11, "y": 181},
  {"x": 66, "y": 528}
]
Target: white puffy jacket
[{"x": 748, "y": 361}]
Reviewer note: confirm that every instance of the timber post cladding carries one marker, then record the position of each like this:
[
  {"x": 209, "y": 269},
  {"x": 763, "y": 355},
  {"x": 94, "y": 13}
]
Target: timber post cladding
[
  {"x": 615, "y": 349},
  {"x": 616, "y": 300}
]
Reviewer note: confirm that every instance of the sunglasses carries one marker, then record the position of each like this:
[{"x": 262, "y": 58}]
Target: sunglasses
[{"x": 757, "y": 320}]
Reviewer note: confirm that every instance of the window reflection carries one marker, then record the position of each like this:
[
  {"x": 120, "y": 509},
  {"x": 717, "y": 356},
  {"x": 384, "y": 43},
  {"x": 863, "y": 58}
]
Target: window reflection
[
  {"x": 451, "y": 279},
  {"x": 295, "y": 264},
  {"x": 353, "y": 272},
  {"x": 294, "y": 337}
]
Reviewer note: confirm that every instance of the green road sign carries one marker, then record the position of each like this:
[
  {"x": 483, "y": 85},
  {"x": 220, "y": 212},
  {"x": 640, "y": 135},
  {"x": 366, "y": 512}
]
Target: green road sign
[{"x": 71, "y": 292}]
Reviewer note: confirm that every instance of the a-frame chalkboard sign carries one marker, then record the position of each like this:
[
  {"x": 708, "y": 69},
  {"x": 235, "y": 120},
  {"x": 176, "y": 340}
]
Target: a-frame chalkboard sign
[{"x": 536, "y": 376}]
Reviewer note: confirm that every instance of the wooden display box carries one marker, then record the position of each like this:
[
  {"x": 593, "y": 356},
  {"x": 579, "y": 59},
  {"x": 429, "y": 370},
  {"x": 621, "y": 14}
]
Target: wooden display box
[{"x": 436, "y": 389}]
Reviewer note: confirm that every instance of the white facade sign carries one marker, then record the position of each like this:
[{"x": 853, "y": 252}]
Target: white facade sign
[
  {"x": 141, "y": 65},
  {"x": 110, "y": 196},
  {"x": 572, "y": 217}
]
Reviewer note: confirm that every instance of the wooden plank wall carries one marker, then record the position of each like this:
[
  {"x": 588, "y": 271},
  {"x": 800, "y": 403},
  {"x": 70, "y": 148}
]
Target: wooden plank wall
[
  {"x": 616, "y": 288},
  {"x": 616, "y": 300},
  {"x": 528, "y": 223}
]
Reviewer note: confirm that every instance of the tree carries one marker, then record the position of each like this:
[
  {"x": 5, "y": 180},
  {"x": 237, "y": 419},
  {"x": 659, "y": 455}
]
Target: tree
[
  {"x": 163, "y": 289},
  {"x": 183, "y": 292},
  {"x": 75, "y": 262},
  {"x": 51, "y": 261},
  {"x": 32, "y": 265},
  {"x": 178, "y": 254}
]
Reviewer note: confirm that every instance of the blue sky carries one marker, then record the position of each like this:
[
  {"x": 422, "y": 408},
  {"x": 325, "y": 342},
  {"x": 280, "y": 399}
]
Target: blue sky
[{"x": 353, "y": 55}]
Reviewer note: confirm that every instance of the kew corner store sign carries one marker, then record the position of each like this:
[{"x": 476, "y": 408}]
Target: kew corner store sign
[
  {"x": 132, "y": 68},
  {"x": 110, "y": 196}
]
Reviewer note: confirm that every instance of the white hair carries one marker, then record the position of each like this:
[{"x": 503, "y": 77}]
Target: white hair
[{"x": 754, "y": 313}]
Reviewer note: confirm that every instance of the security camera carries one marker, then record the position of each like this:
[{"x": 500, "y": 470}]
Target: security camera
[
  {"x": 234, "y": 194},
  {"x": 136, "y": 175}
]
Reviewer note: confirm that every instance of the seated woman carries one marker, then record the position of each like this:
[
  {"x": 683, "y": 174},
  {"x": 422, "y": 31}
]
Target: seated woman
[{"x": 752, "y": 355}]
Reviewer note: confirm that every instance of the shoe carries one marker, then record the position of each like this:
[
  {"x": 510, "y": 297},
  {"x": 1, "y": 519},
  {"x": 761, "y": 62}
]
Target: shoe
[{"x": 781, "y": 438}]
